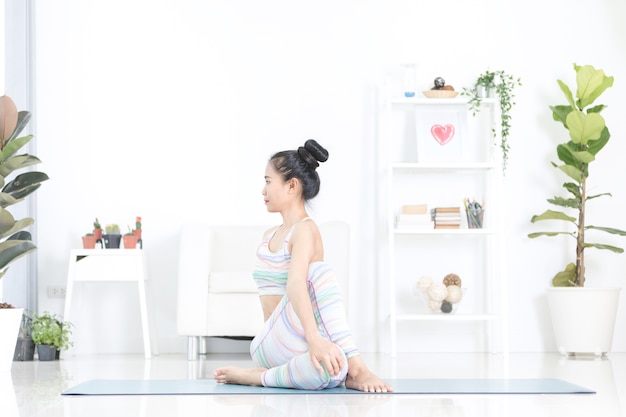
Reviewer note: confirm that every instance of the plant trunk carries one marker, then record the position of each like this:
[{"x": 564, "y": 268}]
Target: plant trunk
[{"x": 580, "y": 238}]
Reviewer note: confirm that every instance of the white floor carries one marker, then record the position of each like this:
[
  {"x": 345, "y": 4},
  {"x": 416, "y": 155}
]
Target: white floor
[{"x": 33, "y": 388}]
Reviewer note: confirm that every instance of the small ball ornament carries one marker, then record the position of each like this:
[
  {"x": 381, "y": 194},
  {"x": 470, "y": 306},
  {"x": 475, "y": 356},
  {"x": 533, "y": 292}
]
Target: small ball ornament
[
  {"x": 439, "y": 83},
  {"x": 455, "y": 294},
  {"x": 446, "y": 307},
  {"x": 437, "y": 292}
]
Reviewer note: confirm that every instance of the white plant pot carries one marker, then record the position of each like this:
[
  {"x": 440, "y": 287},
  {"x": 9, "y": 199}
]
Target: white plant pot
[
  {"x": 10, "y": 319},
  {"x": 583, "y": 319}
]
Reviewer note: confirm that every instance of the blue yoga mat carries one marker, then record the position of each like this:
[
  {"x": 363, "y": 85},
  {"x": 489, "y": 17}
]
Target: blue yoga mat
[{"x": 400, "y": 386}]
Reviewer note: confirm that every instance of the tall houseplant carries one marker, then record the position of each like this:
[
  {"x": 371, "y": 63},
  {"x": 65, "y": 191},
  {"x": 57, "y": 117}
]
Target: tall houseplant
[
  {"x": 15, "y": 242},
  {"x": 502, "y": 84},
  {"x": 588, "y": 135}
]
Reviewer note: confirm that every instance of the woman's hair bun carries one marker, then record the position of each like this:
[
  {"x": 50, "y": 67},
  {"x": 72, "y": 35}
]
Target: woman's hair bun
[{"x": 313, "y": 153}]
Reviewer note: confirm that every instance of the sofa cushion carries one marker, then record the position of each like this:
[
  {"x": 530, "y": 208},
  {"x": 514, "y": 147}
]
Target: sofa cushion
[{"x": 231, "y": 282}]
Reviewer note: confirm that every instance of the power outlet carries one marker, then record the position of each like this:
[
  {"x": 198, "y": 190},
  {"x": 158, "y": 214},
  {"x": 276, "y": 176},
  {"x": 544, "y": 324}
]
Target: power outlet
[{"x": 56, "y": 291}]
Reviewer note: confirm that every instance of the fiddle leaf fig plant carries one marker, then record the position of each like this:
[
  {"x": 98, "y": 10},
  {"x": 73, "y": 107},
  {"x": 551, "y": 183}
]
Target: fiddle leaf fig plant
[
  {"x": 588, "y": 134},
  {"x": 14, "y": 187}
]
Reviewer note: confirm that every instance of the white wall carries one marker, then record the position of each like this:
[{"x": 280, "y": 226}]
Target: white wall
[{"x": 169, "y": 110}]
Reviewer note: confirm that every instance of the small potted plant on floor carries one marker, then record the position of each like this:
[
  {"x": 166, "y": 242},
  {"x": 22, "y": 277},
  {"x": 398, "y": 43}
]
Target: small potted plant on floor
[
  {"x": 113, "y": 237},
  {"x": 15, "y": 187},
  {"x": 502, "y": 84},
  {"x": 583, "y": 318},
  {"x": 51, "y": 335}
]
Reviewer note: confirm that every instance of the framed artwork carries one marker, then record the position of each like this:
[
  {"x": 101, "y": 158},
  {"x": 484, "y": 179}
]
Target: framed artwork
[{"x": 440, "y": 134}]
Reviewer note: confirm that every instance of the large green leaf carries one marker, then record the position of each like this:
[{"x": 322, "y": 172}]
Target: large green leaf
[
  {"x": 591, "y": 84},
  {"x": 537, "y": 234},
  {"x": 17, "y": 162},
  {"x": 7, "y": 221},
  {"x": 567, "y": 92},
  {"x": 552, "y": 215},
  {"x": 604, "y": 247},
  {"x": 14, "y": 146},
  {"x": 594, "y": 146},
  {"x": 584, "y": 127},
  {"x": 7, "y": 200},
  {"x": 565, "y": 202},
  {"x": 11, "y": 250},
  {"x": 572, "y": 172},
  {"x": 559, "y": 113},
  {"x": 22, "y": 120},
  {"x": 17, "y": 226},
  {"x": 566, "y": 278},
  {"x": 608, "y": 230},
  {"x": 23, "y": 182}
]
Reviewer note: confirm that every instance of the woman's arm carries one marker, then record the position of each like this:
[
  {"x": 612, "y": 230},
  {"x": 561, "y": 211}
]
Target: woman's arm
[{"x": 306, "y": 248}]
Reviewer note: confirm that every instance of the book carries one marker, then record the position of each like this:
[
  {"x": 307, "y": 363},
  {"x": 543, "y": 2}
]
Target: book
[
  {"x": 446, "y": 210},
  {"x": 415, "y": 209},
  {"x": 447, "y": 226}
]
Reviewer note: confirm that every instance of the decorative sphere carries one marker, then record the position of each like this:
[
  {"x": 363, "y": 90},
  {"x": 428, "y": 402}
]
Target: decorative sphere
[
  {"x": 446, "y": 307},
  {"x": 455, "y": 294},
  {"x": 439, "y": 83},
  {"x": 434, "y": 305},
  {"x": 437, "y": 292},
  {"x": 424, "y": 282}
]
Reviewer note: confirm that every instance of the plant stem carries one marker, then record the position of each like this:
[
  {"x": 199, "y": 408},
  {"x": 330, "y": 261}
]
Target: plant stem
[{"x": 580, "y": 239}]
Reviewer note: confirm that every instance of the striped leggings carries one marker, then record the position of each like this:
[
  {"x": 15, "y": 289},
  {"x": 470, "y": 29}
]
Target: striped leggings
[{"x": 281, "y": 347}]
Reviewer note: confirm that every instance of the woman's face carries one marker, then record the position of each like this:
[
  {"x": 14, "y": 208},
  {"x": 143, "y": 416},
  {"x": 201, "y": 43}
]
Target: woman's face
[{"x": 275, "y": 191}]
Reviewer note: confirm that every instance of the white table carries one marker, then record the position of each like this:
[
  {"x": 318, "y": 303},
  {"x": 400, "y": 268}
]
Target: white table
[{"x": 110, "y": 265}]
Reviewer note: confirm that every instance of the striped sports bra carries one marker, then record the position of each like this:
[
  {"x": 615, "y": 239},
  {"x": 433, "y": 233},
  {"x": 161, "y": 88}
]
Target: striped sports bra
[{"x": 271, "y": 268}]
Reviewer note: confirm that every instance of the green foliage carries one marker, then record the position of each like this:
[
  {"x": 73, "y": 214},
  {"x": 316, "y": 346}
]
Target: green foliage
[
  {"x": 112, "y": 229},
  {"x": 14, "y": 242},
  {"x": 503, "y": 84},
  {"x": 96, "y": 224},
  {"x": 588, "y": 134},
  {"x": 48, "y": 329}
]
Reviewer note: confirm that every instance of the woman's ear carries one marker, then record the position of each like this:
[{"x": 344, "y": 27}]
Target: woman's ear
[{"x": 293, "y": 184}]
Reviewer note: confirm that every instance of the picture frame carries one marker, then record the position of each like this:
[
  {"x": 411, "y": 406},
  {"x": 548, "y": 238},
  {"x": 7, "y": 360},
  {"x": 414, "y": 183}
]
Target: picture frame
[{"x": 440, "y": 134}]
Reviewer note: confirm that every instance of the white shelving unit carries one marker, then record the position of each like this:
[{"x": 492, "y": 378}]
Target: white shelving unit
[{"x": 409, "y": 177}]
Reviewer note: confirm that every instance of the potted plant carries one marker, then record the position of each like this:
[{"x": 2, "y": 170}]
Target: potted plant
[
  {"x": 50, "y": 335},
  {"x": 15, "y": 187},
  {"x": 583, "y": 318},
  {"x": 113, "y": 237},
  {"x": 130, "y": 239},
  {"x": 502, "y": 84},
  {"x": 89, "y": 241},
  {"x": 97, "y": 229},
  {"x": 137, "y": 229}
]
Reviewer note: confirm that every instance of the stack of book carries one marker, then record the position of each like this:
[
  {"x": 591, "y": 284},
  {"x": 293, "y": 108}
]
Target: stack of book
[
  {"x": 414, "y": 217},
  {"x": 446, "y": 217}
]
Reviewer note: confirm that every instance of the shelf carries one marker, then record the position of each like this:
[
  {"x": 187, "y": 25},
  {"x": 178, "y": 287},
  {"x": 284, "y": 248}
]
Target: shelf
[
  {"x": 446, "y": 317},
  {"x": 424, "y": 101},
  {"x": 485, "y": 231},
  {"x": 444, "y": 166}
]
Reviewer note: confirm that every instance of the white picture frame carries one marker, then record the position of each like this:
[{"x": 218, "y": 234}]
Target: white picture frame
[{"x": 440, "y": 134}]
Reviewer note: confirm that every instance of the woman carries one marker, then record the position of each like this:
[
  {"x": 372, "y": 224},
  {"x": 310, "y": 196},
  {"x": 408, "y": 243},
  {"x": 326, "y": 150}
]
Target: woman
[{"x": 305, "y": 342}]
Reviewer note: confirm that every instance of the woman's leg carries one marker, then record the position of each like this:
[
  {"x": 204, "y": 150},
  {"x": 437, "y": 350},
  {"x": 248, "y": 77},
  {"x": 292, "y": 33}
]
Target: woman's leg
[{"x": 282, "y": 348}]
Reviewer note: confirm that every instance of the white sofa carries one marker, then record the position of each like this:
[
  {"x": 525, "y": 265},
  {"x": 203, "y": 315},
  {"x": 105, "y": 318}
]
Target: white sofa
[{"x": 217, "y": 296}]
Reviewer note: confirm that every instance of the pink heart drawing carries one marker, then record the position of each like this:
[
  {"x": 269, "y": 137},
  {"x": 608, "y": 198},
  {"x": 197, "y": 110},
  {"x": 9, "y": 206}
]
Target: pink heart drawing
[{"x": 442, "y": 134}]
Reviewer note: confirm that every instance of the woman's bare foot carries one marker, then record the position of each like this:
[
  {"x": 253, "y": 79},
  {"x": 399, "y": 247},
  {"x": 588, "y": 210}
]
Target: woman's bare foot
[
  {"x": 362, "y": 379},
  {"x": 239, "y": 376}
]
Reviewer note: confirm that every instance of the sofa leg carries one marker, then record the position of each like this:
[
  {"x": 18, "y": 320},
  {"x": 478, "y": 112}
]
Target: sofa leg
[{"x": 192, "y": 348}]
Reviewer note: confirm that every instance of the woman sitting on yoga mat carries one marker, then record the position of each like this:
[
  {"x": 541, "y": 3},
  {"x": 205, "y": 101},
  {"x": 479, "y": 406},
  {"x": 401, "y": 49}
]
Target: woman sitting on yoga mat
[{"x": 305, "y": 342}]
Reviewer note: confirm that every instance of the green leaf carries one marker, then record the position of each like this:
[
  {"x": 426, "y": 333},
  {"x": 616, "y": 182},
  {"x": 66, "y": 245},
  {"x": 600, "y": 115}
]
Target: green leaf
[
  {"x": 591, "y": 84},
  {"x": 537, "y": 234},
  {"x": 608, "y": 230},
  {"x": 6, "y": 221},
  {"x": 552, "y": 215},
  {"x": 24, "y": 182},
  {"x": 567, "y": 92},
  {"x": 14, "y": 146},
  {"x": 572, "y": 172},
  {"x": 7, "y": 200},
  {"x": 11, "y": 250},
  {"x": 22, "y": 120},
  {"x": 594, "y": 146},
  {"x": 565, "y": 202},
  {"x": 573, "y": 188},
  {"x": 605, "y": 247},
  {"x": 17, "y": 226},
  {"x": 17, "y": 162},
  {"x": 584, "y": 127},
  {"x": 591, "y": 197},
  {"x": 566, "y": 278}
]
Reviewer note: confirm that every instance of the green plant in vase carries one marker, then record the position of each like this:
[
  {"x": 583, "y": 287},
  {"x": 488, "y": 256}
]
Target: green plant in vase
[{"x": 503, "y": 85}]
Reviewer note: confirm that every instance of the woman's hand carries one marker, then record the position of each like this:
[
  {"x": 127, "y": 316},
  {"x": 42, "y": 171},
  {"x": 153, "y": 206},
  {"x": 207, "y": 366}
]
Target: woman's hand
[{"x": 325, "y": 355}]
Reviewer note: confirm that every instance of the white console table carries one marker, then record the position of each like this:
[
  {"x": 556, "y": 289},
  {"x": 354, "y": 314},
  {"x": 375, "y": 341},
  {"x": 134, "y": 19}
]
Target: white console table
[{"x": 110, "y": 265}]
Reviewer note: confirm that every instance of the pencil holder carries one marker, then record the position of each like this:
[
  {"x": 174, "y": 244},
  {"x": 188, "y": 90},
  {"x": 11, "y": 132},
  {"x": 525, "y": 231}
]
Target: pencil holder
[{"x": 475, "y": 218}]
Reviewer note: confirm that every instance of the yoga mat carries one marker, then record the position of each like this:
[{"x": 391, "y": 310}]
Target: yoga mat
[{"x": 400, "y": 386}]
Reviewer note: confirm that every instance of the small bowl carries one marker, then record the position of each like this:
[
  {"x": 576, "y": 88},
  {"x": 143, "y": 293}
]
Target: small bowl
[{"x": 440, "y": 93}]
